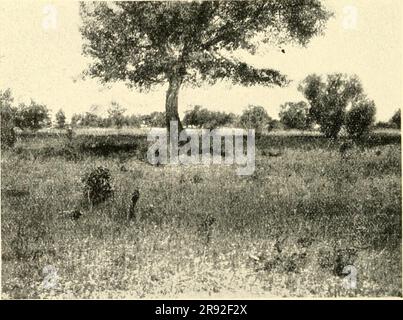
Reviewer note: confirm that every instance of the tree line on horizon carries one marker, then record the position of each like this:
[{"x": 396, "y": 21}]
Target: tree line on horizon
[
  {"x": 191, "y": 43},
  {"x": 327, "y": 107}
]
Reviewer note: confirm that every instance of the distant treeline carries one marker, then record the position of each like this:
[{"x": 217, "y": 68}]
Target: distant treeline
[
  {"x": 196, "y": 117},
  {"x": 88, "y": 119},
  {"x": 293, "y": 115}
]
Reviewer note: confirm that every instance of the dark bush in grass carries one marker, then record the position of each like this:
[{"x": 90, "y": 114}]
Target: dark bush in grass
[
  {"x": 8, "y": 137},
  {"x": 97, "y": 185},
  {"x": 110, "y": 144}
]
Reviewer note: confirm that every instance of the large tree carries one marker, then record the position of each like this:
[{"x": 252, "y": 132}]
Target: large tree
[
  {"x": 181, "y": 42},
  {"x": 329, "y": 98}
]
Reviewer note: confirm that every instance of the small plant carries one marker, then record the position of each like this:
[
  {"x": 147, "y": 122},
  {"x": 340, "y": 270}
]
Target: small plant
[
  {"x": 8, "y": 137},
  {"x": 135, "y": 197},
  {"x": 69, "y": 134},
  {"x": 206, "y": 228},
  {"x": 197, "y": 178},
  {"x": 97, "y": 185},
  {"x": 344, "y": 257},
  {"x": 336, "y": 259},
  {"x": 345, "y": 146}
]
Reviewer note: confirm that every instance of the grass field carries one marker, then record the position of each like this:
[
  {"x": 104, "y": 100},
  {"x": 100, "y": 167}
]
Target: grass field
[{"x": 286, "y": 231}]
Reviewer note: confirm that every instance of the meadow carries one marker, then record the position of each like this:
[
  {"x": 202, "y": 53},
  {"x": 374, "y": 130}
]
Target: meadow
[{"x": 202, "y": 231}]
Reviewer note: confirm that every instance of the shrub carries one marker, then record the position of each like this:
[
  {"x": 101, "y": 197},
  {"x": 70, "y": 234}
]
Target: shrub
[
  {"x": 360, "y": 118},
  {"x": 8, "y": 137},
  {"x": 329, "y": 99},
  {"x": 109, "y": 144},
  {"x": 203, "y": 118},
  {"x": 395, "y": 120},
  {"x": 294, "y": 115},
  {"x": 116, "y": 114},
  {"x": 384, "y": 125},
  {"x": 97, "y": 185},
  {"x": 60, "y": 119},
  {"x": 69, "y": 134},
  {"x": 255, "y": 117},
  {"x": 7, "y": 114},
  {"x": 33, "y": 116}
]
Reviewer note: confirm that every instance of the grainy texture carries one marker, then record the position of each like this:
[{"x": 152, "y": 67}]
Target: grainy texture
[{"x": 280, "y": 232}]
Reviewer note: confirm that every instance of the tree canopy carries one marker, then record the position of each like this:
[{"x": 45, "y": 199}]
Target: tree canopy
[
  {"x": 255, "y": 117},
  {"x": 396, "y": 119},
  {"x": 329, "y": 99},
  {"x": 294, "y": 115},
  {"x": 204, "y": 118},
  {"x": 152, "y": 42}
]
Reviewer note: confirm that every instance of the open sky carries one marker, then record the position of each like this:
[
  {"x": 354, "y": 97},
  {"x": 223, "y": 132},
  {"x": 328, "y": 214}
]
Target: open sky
[{"x": 40, "y": 58}]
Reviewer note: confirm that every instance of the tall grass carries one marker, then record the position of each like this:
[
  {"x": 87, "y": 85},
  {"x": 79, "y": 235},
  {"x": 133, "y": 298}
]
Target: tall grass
[{"x": 275, "y": 233}]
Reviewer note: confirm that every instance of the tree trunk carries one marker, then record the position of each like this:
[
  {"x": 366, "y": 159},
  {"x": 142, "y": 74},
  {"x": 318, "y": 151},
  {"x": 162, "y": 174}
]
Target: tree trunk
[{"x": 171, "y": 102}]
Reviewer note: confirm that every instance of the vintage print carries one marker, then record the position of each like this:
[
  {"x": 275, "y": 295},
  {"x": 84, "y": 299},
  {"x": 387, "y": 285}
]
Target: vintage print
[{"x": 201, "y": 149}]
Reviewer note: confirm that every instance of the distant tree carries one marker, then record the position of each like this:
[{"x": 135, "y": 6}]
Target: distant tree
[
  {"x": 255, "y": 117},
  {"x": 145, "y": 43},
  {"x": 133, "y": 121},
  {"x": 203, "y": 118},
  {"x": 7, "y": 114},
  {"x": 294, "y": 115},
  {"x": 33, "y": 116},
  {"x": 60, "y": 119},
  {"x": 157, "y": 119},
  {"x": 276, "y": 125},
  {"x": 116, "y": 114},
  {"x": 8, "y": 111},
  {"x": 395, "y": 120},
  {"x": 76, "y": 120},
  {"x": 220, "y": 119},
  {"x": 383, "y": 125},
  {"x": 192, "y": 117},
  {"x": 92, "y": 120},
  {"x": 360, "y": 118},
  {"x": 329, "y": 99}
]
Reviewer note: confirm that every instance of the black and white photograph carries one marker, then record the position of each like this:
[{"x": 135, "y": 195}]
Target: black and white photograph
[{"x": 201, "y": 150}]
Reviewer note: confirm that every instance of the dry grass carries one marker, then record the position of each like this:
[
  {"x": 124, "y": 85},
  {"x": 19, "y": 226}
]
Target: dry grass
[{"x": 309, "y": 203}]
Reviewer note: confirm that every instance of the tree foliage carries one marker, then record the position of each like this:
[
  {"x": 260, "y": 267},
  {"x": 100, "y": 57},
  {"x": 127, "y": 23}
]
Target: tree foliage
[
  {"x": 255, "y": 117},
  {"x": 330, "y": 98},
  {"x": 360, "y": 118},
  {"x": 60, "y": 119},
  {"x": 155, "y": 119},
  {"x": 7, "y": 114},
  {"x": 116, "y": 114},
  {"x": 396, "y": 119},
  {"x": 153, "y": 42},
  {"x": 294, "y": 115},
  {"x": 33, "y": 116},
  {"x": 204, "y": 118}
]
